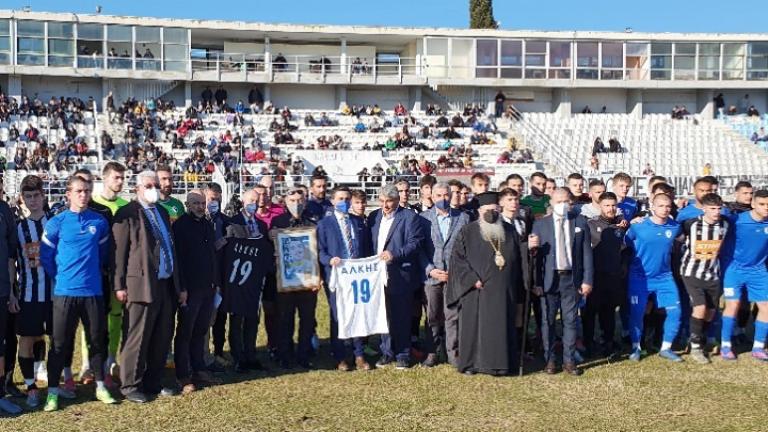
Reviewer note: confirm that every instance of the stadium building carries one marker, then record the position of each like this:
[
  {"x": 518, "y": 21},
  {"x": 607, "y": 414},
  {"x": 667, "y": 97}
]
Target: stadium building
[{"x": 562, "y": 89}]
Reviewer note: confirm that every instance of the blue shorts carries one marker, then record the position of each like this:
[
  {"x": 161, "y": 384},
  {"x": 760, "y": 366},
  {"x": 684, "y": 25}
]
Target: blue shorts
[
  {"x": 665, "y": 290},
  {"x": 755, "y": 281}
]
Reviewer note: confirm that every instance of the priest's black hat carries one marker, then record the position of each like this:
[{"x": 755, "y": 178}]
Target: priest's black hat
[{"x": 486, "y": 198}]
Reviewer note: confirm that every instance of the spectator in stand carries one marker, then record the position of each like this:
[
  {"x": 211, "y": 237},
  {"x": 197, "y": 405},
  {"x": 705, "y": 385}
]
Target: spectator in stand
[
  {"x": 614, "y": 146},
  {"x": 707, "y": 170},
  {"x": 499, "y": 104},
  {"x": 753, "y": 112},
  {"x": 400, "y": 110},
  {"x": 598, "y": 146},
  {"x": 648, "y": 171},
  {"x": 719, "y": 104}
]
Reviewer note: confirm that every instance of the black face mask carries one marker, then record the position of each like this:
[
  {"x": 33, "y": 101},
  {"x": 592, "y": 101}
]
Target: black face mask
[{"x": 491, "y": 216}]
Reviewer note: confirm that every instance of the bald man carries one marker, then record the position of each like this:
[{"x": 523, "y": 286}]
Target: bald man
[{"x": 195, "y": 245}]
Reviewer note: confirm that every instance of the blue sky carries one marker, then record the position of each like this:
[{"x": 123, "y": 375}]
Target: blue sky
[{"x": 644, "y": 15}]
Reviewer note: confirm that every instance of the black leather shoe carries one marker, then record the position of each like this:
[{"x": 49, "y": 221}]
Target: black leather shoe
[
  {"x": 384, "y": 360},
  {"x": 241, "y": 368},
  {"x": 572, "y": 369},
  {"x": 431, "y": 361},
  {"x": 255, "y": 365},
  {"x": 136, "y": 397},
  {"x": 13, "y": 391},
  {"x": 551, "y": 368}
]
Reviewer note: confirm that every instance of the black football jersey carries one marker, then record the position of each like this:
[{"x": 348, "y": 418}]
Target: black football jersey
[{"x": 246, "y": 263}]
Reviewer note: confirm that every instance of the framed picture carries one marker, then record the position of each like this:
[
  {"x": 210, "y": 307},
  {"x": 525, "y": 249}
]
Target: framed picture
[{"x": 297, "y": 266}]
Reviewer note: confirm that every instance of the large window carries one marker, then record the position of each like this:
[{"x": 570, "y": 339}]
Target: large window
[
  {"x": 685, "y": 61},
  {"x": 61, "y": 44},
  {"x": 535, "y": 59},
  {"x": 90, "y": 46},
  {"x": 437, "y": 57},
  {"x": 119, "y": 47},
  {"x": 757, "y": 63},
  {"x": 733, "y": 61},
  {"x": 661, "y": 61},
  {"x": 709, "y": 61},
  {"x": 511, "y": 59},
  {"x": 148, "y": 48},
  {"x": 30, "y": 43},
  {"x": 5, "y": 42},
  {"x": 612, "y": 61},
  {"x": 175, "y": 49},
  {"x": 560, "y": 60},
  {"x": 636, "y": 58},
  {"x": 487, "y": 59},
  {"x": 587, "y": 60}
]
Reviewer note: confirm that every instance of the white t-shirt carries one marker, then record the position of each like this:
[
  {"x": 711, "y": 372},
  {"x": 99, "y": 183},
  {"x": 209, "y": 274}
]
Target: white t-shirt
[{"x": 359, "y": 287}]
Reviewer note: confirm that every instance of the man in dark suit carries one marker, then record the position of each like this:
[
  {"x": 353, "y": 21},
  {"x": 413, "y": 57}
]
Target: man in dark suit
[
  {"x": 342, "y": 236},
  {"x": 397, "y": 236},
  {"x": 564, "y": 273},
  {"x": 146, "y": 280},
  {"x": 215, "y": 214},
  {"x": 442, "y": 223}
]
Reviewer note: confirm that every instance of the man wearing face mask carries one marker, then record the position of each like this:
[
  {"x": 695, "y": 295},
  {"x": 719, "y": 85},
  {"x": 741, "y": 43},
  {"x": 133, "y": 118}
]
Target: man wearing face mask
[
  {"x": 443, "y": 224},
  {"x": 146, "y": 279},
  {"x": 485, "y": 277},
  {"x": 198, "y": 272},
  {"x": 342, "y": 236},
  {"x": 289, "y": 304},
  {"x": 564, "y": 272},
  {"x": 220, "y": 222}
]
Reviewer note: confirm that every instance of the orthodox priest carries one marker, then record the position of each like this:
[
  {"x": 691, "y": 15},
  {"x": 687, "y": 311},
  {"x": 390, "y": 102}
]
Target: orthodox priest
[{"x": 484, "y": 278}]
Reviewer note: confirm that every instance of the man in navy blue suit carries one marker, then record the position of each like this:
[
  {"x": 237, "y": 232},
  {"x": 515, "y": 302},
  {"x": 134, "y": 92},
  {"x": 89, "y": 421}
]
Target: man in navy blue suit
[
  {"x": 397, "y": 235},
  {"x": 342, "y": 236},
  {"x": 564, "y": 273}
]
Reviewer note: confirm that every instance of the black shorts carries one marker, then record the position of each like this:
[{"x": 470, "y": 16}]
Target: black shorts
[
  {"x": 702, "y": 292},
  {"x": 34, "y": 319}
]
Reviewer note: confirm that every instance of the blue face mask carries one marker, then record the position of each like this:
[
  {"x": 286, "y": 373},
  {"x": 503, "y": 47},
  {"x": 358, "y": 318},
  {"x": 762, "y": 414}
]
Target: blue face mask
[
  {"x": 250, "y": 209},
  {"x": 342, "y": 206},
  {"x": 443, "y": 204}
]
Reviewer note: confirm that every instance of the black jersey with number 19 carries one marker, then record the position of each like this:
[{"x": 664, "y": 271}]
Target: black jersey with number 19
[{"x": 246, "y": 263}]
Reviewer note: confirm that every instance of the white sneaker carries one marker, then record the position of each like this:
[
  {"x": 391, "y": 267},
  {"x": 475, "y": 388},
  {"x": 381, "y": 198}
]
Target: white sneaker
[{"x": 42, "y": 374}]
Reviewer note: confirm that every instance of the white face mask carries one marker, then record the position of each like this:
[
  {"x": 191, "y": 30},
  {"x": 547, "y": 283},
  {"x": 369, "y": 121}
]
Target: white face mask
[
  {"x": 560, "y": 209},
  {"x": 151, "y": 195}
]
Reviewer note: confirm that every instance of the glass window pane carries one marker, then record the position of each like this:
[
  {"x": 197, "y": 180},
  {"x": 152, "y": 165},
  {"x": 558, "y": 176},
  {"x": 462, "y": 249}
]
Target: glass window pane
[
  {"x": 30, "y": 45},
  {"x": 5, "y": 27},
  {"x": 487, "y": 53},
  {"x": 661, "y": 48},
  {"x": 90, "y": 31},
  {"x": 560, "y": 54},
  {"x": 733, "y": 49},
  {"x": 637, "y": 49},
  {"x": 685, "y": 48},
  {"x": 30, "y": 28},
  {"x": 176, "y": 52},
  {"x": 586, "y": 54},
  {"x": 175, "y": 36},
  {"x": 5, "y": 58},
  {"x": 512, "y": 73},
  {"x": 511, "y": 53},
  {"x": 147, "y": 34},
  {"x": 30, "y": 59},
  {"x": 60, "y": 46},
  {"x": 612, "y": 55},
  {"x": 119, "y": 33},
  {"x": 537, "y": 47},
  {"x": 60, "y": 30},
  {"x": 685, "y": 63},
  {"x": 175, "y": 66},
  {"x": 709, "y": 49},
  {"x": 535, "y": 73},
  {"x": 5, "y": 43},
  {"x": 60, "y": 60}
]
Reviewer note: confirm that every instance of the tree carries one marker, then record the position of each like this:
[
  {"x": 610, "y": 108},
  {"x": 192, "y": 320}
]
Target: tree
[{"x": 481, "y": 14}]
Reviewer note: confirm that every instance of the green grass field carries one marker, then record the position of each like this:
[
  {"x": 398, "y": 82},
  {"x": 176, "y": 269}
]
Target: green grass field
[{"x": 652, "y": 395}]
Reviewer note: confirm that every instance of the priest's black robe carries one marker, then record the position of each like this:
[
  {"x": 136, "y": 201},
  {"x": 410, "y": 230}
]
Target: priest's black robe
[{"x": 487, "y": 337}]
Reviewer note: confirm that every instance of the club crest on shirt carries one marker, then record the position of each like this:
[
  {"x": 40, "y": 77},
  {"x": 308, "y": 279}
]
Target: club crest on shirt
[
  {"x": 92, "y": 230},
  {"x": 577, "y": 230},
  {"x": 599, "y": 229},
  {"x": 668, "y": 233},
  {"x": 617, "y": 233}
]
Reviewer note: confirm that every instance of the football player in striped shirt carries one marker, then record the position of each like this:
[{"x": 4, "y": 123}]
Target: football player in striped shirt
[
  {"x": 34, "y": 304},
  {"x": 702, "y": 237}
]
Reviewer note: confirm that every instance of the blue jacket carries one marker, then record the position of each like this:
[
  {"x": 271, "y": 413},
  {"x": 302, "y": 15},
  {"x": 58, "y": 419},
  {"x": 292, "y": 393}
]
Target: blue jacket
[
  {"x": 404, "y": 241},
  {"x": 73, "y": 250},
  {"x": 437, "y": 250},
  {"x": 581, "y": 252},
  {"x": 330, "y": 241}
]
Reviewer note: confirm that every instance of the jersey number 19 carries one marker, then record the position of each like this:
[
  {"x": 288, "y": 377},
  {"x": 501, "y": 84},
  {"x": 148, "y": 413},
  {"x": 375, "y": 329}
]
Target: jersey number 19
[
  {"x": 361, "y": 291},
  {"x": 244, "y": 271}
]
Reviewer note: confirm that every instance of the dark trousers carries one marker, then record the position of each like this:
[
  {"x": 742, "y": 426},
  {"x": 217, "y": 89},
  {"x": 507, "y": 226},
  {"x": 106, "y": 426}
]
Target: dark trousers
[
  {"x": 191, "y": 327},
  {"x": 289, "y": 304},
  {"x": 148, "y": 331},
  {"x": 219, "y": 331},
  {"x": 242, "y": 337},
  {"x": 601, "y": 304},
  {"x": 340, "y": 348},
  {"x": 67, "y": 311},
  {"x": 9, "y": 346},
  {"x": 437, "y": 313},
  {"x": 399, "y": 310},
  {"x": 564, "y": 298}
]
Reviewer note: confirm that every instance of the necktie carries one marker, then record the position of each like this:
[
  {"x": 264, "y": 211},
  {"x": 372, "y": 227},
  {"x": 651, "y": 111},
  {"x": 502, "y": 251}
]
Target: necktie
[
  {"x": 348, "y": 237},
  {"x": 165, "y": 248},
  {"x": 562, "y": 254}
]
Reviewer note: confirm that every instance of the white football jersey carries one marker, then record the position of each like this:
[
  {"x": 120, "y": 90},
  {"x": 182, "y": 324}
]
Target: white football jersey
[{"x": 359, "y": 287}]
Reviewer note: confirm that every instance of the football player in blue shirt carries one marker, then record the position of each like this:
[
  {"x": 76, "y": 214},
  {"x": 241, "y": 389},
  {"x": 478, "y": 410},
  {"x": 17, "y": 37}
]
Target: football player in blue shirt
[
  {"x": 746, "y": 251},
  {"x": 650, "y": 273}
]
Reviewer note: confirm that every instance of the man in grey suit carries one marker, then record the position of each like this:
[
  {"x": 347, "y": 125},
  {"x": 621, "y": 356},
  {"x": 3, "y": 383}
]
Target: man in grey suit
[
  {"x": 442, "y": 222},
  {"x": 564, "y": 273}
]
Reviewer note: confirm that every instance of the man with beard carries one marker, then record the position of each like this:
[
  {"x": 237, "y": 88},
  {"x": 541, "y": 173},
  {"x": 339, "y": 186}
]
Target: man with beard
[
  {"x": 743, "y": 198},
  {"x": 537, "y": 201},
  {"x": 174, "y": 207},
  {"x": 486, "y": 276}
]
